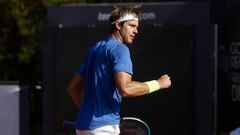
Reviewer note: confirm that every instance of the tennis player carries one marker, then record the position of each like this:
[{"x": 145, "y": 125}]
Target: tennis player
[{"x": 106, "y": 76}]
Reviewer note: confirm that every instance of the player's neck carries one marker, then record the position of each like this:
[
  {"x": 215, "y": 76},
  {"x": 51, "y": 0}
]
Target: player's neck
[{"x": 117, "y": 36}]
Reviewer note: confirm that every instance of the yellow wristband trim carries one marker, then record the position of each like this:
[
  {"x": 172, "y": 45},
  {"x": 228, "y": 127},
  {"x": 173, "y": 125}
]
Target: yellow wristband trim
[{"x": 152, "y": 86}]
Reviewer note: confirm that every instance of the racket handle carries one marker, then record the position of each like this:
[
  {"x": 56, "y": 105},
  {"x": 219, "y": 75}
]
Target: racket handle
[{"x": 69, "y": 123}]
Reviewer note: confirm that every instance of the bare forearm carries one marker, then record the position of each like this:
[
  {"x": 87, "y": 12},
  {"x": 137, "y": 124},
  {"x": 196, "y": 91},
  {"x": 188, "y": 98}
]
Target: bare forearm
[{"x": 135, "y": 88}]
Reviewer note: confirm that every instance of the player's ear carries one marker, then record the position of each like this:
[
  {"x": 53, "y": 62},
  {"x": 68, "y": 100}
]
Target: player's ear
[{"x": 118, "y": 25}]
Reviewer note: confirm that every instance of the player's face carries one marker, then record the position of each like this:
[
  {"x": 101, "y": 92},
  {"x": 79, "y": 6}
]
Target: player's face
[{"x": 128, "y": 31}]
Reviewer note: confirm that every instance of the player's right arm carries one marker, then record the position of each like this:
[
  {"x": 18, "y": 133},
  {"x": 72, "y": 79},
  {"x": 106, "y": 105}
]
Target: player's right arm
[
  {"x": 129, "y": 88},
  {"x": 75, "y": 89}
]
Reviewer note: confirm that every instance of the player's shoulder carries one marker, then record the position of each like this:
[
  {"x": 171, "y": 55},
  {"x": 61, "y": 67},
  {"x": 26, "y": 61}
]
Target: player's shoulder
[{"x": 115, "y": 44}]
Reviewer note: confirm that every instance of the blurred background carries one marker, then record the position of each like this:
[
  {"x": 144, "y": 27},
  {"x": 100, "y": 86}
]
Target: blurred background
[{"x": 43, "y": 42}]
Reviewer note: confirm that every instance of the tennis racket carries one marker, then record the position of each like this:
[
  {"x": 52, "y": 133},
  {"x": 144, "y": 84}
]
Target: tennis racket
[{"x": 133, "y": 126}]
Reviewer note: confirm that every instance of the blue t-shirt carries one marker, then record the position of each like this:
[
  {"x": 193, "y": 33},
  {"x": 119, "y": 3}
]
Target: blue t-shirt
[{"x": 101, "y": 104}]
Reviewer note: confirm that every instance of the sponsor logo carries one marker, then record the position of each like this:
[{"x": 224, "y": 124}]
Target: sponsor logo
[{"x": 234, "y": 49}]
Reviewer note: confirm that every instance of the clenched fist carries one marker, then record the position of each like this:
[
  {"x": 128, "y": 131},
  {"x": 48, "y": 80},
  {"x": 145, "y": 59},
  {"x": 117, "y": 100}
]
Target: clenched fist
[{"x": 164, "y": 81}]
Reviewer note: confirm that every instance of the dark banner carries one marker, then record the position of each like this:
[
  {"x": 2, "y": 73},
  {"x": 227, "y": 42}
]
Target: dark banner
[
  {"x": 229, "y": 70},
  {"x": 153, "y": 14}
]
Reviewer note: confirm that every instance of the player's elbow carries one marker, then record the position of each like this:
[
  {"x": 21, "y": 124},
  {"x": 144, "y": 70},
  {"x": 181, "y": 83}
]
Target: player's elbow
[
  {"x": 71, "y": 91},
  {"x": 125, "y": 92}
]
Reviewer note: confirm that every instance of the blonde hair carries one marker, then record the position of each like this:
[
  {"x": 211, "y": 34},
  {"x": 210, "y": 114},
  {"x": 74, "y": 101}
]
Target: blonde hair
[{"x": 121, "y": 11}]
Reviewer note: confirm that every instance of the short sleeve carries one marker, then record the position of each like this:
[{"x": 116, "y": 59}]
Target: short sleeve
[
  {"x": 82, "y": 70},
  {"x": 121, "y": 60}
]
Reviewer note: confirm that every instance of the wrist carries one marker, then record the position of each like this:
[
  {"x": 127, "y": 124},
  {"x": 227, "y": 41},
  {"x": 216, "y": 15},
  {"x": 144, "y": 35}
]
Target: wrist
[{"x": 152, "y": 86}]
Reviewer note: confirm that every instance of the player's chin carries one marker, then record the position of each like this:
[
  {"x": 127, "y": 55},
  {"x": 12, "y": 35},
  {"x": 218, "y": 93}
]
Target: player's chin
[{"x": 130, "y": 42}]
